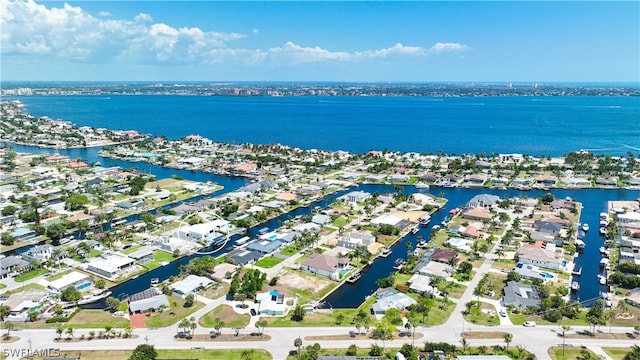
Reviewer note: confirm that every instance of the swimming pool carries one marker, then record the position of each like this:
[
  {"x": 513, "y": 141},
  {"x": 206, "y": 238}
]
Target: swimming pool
[{"x": 547, "y": 275}]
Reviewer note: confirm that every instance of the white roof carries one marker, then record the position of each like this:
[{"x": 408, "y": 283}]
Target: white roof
[
  {"x": 112, "y": 263},
  {"x": 66, "y": 280},
  {"x": 190, "y": 283},
  {"x": 386, "y": 219}
]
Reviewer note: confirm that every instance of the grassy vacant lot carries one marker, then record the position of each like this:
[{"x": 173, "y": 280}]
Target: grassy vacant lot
[
  {"x": 96, "y": 319},
  {"x": 268, "y": 262},
  {"x": 173, "y": 315},
  {"x": 26, "y": 287},
  {"x": 158, "y": 257},
  {"x": 570, "y": 353},
  {"x": 478, "y": 315},
  {"x": 205, "y": 354},
  {"x": 226, "y": 314},
  {"x": 31, "y": 274},
  {"x": 616, "y": 353}
]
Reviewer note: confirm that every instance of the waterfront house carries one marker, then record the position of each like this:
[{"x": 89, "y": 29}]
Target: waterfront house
[
  {"x": 390, "y": 298},
  {"x": 486, "y": 201},
  {"x": 424, "y": 199},
  {"x": 74, "y": 279},
  {"x": 200, "y": 232},
  {"x": 436, "y": 269},
  {"x": 321, "y": 219},
  {"x": 109, "y": 266},
  {"x": 20, "y": 304},
  {"x": 330, "y": 266},
  {"x": 521, "y": 295},
  {"x": 535, "y": 255},
  {"x": 547, "y": 227},
  {"x": 469, "y": 231},
  {"x": 23, "y": 234},
  {"x": 546, "y": 180},
  {"x": 273, "y": 303},
  {"x": 420, "y": 284},
  {"x": 12, "y": 266},
  {"x": 476, "y": 213},
  {"x": 475, "y": 180},
  {"x": 38, "y": 253},
  {"x": 151, "y": 299},
  {"x": 354, "y": 196},
  {"x": 265, "y": 247},
  {"x": 189, "y": 285},
  {"x": 143, "y": 254},
  {"x": 355, "y": 240},
  {"x": 243, "y": 256},
  {"x": 460, "y": 244}
]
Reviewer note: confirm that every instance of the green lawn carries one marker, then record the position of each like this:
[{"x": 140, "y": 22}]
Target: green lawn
[
  {"x": 289, "y": 250},
  {"x": 2, "y": 286},
  {"x": 132, "y": 249},
  {"x": 268, "y": 262},
  {"x": 96, "y": 319},
  {"x": 478, "y": 317},
  {"x": 616, "y": 353},
  {"x": 25, "y": 287},
  {"x": 31, "y": 274},
  {"x": 158, "y": 257},
  {"x": 225, "y": 313},
  {"x": 340, "y": 222},
  {"x": 570, "y": 353},
  {"x": 176, "y": 313}
]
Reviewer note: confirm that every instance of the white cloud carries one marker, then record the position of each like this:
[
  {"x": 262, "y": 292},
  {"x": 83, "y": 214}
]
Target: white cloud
[
  {"x": 104, "y": 13},
  {"x": 143, "y": 17},
  {"x": 71, "y": 33}
]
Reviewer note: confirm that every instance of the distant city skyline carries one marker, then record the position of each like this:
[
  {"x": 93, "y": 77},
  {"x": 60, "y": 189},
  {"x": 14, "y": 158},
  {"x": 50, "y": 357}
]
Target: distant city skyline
[{"x": 320, "y": 41}]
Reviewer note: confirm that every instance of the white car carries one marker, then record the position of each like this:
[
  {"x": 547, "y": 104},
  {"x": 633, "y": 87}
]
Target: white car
[
  {"x": 503, "y": 313},
  {"x": 529, "y": 324}
]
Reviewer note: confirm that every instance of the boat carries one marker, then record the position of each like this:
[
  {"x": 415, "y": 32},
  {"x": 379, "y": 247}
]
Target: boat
[
  {"x": 354, "y": 277},
  {"x": 385, "y": 252},
  {"x": 604, "y": 216},
  {"x": 415, "y": 230},
  {"x": 424, "y": 220},
  {"x": 602, "y": 250},
  {"x": 603, "y": 231},
  {"x": 577, "y": 270},
  {"x": 585, "y": 227},
  {"x": 579, "y": 244},
  {"x": 602, "y": 279},
  {"x": 421, "y": 185},
  {"x": 97, "y": 296},
  {"x": 398, "y": 264},
  {"x": 575, "y": 286},
  {"x": 242, "y": 240},
  {"x": 604, "y": 223},
  {"x": 155, "y": 281}
]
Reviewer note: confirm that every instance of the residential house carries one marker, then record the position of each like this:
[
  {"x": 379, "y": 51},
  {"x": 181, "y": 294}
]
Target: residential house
[
  {"x": 24, "y": 234},
  {"x": 390, "y": 298},
  {"x": 20, "y": 304},
  {"x": 74, "y": 279},
  {"x": 189, "y": 285},
  {"x": 476, "y": 213},
  {"x": 521, "y": 295},
  {"x": 326, "y": 265},
  {"x": 548, "y": 227},
  {"x": 535, "y": 255},
  {"x": 12, "y": 266},
  {"x": 486, "y": 201},
  {"x": 355, "y": 196},
  {"x": 38, "y": 253},
  {"x": 151, "y": 299},
  {"x": 109, "y": 266},
  {"x": 356, "y": 240},
  {"x": 436, "y": 269},
  {"x": 443, "y": 256},
  {"x": 273, "y": 303}
]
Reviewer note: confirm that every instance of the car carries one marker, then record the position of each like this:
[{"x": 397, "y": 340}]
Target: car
[
  {"x": 503, "y": 313},
  {"x": 529, "y": 324},
  {"x": 253, "y": 312}
]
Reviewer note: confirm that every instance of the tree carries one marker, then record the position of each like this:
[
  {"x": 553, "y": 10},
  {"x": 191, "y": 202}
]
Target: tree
[
  {"x": 563, "y": 332},
  {"x": 76, "y": 202},
  {"x": 112, "y": 303},
  {"x": 247, "y": 354},
  {"x": 464, "y": 344},
  {"x": 100, "y": 284},
  {"x": 4, "y": 311},
  {"x": 71, "y": 294},
  {"x": 383, "y": 331},
  {"x": 69, "y": 332},
  {"x": 9, "y": 325},
  {"x": 59, "y": 331},
  {"x": 218, "y": 324},
  {"x": 261, "y": 324},
  {"x": 361, "y": 320},
  {"x": 144, "y": 352},
  {"x": 298, "y": 344},
  {"x": 513, "y": 276},
  {"x": 298, "y": 313},
  {"x": 507, "y": 338},
  {"x": 376, "y": 350},
  {"x": 188, "y": 301},
  {"x": 634, "y": 354},
  {"x": 6, "y": 239},
  {"x": 595, "y": 315}
]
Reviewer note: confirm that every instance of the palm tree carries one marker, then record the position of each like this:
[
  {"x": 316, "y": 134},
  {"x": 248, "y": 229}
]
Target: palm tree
[
  {"x": 59, "y": 331},
  {"x": 633, "y": 354},
  {"x": 507, "y": 339},
  {"x": 247, "y": 354},
  {"x": 69, "y": 332},
  {"x": 298, "y": 343},
  {"x": 218, "y": 324},
  {"x": 464, "y": 344},
  {"x": 477, "y": 292},
  {"x": 261, "y": 324},
  {"x": 563, "y": 331},
  {"x": 521, "y": 350},
  {"x": 9, "y": 325}
]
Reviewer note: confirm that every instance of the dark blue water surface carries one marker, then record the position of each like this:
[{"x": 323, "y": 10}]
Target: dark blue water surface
[{"x": 455, "y": 125}]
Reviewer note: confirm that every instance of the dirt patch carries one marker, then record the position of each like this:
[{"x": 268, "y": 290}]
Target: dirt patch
[
  {"x": 9, "y": 339},
  {"x": 483, "y": 334},
  {"x": 412, "y": 216},
  {"x": 604, "y": 336},
  {"x": 354, "y": 336},
  {"x": 293, "y": 280},
  {"x": 228, "y": 337},
  {"x": 167, "y": 183}
]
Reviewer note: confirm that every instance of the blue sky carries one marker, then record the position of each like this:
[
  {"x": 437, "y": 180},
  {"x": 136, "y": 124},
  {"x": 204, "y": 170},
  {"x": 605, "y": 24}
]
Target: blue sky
[{"x": 321, "y": 41}]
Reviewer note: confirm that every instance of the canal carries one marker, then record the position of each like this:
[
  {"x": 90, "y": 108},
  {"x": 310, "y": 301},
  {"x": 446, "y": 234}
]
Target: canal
[{"x": 348, "y": 295}]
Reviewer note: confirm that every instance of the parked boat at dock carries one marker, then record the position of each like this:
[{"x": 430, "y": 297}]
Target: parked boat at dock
[
  {"x": 97, "y": 296},
  {"x": 354, "y": 277},
  {"x": 585, "y": 227},
  {"x": 385, "y": 252}
]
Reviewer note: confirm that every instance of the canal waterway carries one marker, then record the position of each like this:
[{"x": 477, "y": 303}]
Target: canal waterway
[{"x": 351, "y": 295}]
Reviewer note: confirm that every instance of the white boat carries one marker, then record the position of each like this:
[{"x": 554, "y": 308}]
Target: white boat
[
  {"x": 242, "y": 240},
  {"x": 604, "y": 223},
  {"x": 575, "y": 286},
  {"x": 385, "y": 252},
  {"x": 97, "y": 296},
  {"x": 579, "y": 244},
  {"x": 602, "y": 279},
  {"x": 585, "y": 227},
  {"x": 424, "y": 220},
  {"x": 604, "y": 216},
  {"x": 415, "y": 230},
  {"x": 155, "y": 281},
  {"x": 603, "y": 231},
  {"x": 421, "y": 185}
]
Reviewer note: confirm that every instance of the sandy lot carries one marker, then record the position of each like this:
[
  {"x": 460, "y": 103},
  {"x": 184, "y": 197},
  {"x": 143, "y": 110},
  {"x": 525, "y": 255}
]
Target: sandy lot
[
  {"x": 167, "y": 183},
  {"x": 412, "y": 216},
  {"x": 292, "y": 280}
]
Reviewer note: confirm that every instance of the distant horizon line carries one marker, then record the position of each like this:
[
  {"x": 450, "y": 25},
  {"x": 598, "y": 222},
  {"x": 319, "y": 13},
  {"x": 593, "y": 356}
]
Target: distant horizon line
[{"x": 398, "y": 82}]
